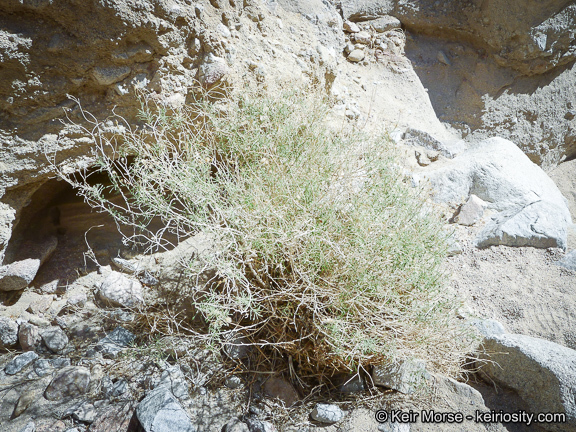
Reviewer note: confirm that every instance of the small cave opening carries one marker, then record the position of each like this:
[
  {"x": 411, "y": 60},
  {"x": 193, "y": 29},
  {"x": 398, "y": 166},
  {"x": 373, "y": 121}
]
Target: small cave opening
[
  {"x": 67, "y": 235},
  {"x": 58, "y": 227}
]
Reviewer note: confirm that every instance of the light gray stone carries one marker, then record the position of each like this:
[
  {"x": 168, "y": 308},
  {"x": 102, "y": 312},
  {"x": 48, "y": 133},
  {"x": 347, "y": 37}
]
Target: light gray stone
[
  {"x": 175, "y": 381},
  {"x": 8, "y": 332},
  {"x": 54, "y": 338},
  {"x": 362, "y": 37},
  {"x": 70, "y": 382},
  {"x": 327, "y": 413},
  {"x": 541, "y": 224},
  {"x": 350, "y": 27},
  {"x": 20, "y": 362},
  {"x": 118, "y": 290},
  {"x": 542, "y": 372},
  {"x": 117, "y": 389},
  {"x": 488, "y": 327},
  {"x": 569, "y": 261},
  {"x": 356, "y": 55},
  {"x": 385, "y": 23},
  {"x": 533, "y": 212},
  {"x": 77, "y": 300},
  {"x": 405, "y": 376},
  {"x": 30, "y": 427},
  {"x": 83, "y": 412},
  {"x": 18, "y": 275},
  {"x": 160, "y": 411},
  {"x": 471, "y": 211},
  {"x": 394, "y": 427},
  {"x": 43, "y": 367},
  {"x": 236, "y": 425},
  {"x": 257, "y": 425}
]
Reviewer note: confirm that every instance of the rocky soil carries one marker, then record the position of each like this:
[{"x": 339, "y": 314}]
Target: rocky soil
[{"x": 477, "y": 96}]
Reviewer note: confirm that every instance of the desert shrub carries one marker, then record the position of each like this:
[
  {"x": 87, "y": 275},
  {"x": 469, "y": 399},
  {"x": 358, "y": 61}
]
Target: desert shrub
[{"x": 325, "y": 255}]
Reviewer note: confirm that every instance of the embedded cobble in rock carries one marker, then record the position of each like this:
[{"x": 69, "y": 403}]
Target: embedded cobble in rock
[
  {"x": 385, "y": 23},
  {"x": 114, "y": 418},
  {"x": 70, "y": 382},
  {"x": 20, "y": 362}
]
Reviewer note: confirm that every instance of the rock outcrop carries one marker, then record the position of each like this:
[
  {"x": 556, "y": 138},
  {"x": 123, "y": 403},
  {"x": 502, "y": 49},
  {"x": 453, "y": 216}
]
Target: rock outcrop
[
  {"x": 542, "y": 372},
  {"x": 532, "y": 211}
]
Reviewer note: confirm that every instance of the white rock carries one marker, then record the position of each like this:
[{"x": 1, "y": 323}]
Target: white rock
[
  {"x": 118, "y": 290},
  {"x": 351, "y": 27},
  {"x": 326, "y": 413},
  {"x": 569, "y": 261},
  {"x": 8, "y": 332},
  {"x": 533, "y": 211},
  {"x": 223, "y": 30},
  {"x": 18, "y": 275},
  {"x": 385, "y": 23},
  {"x": 356, "y": 55},
  {"x": 362, "y": 37},
  {"x": 471, "y": 212},
  {"x": 540, "y": 225}
]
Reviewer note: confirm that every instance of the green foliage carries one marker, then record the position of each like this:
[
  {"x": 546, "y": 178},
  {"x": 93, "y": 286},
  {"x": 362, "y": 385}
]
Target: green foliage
[{"x": 324, "y": 253}]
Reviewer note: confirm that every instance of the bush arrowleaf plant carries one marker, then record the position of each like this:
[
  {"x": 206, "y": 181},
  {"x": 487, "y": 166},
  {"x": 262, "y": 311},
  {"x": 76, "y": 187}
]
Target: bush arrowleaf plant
[{"x": 324, "y": 254}]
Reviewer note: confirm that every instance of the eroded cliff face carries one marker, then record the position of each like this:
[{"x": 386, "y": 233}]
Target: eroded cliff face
[
  {"x": 493, "y": 68},
  {"x": 61, "y": 59},
  {"x": 489, "y": 67},
  {"x": 438, "y": 76}
]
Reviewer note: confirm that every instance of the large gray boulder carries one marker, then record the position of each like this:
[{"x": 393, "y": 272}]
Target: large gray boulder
[
  {"x": 533, "y": 212},
  {"x": 542, "y": 372}
]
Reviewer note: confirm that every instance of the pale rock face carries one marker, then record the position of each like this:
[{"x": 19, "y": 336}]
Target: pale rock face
[
  {"x": 542, "y": 372},
  {"x": 532, "y": 211}
]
